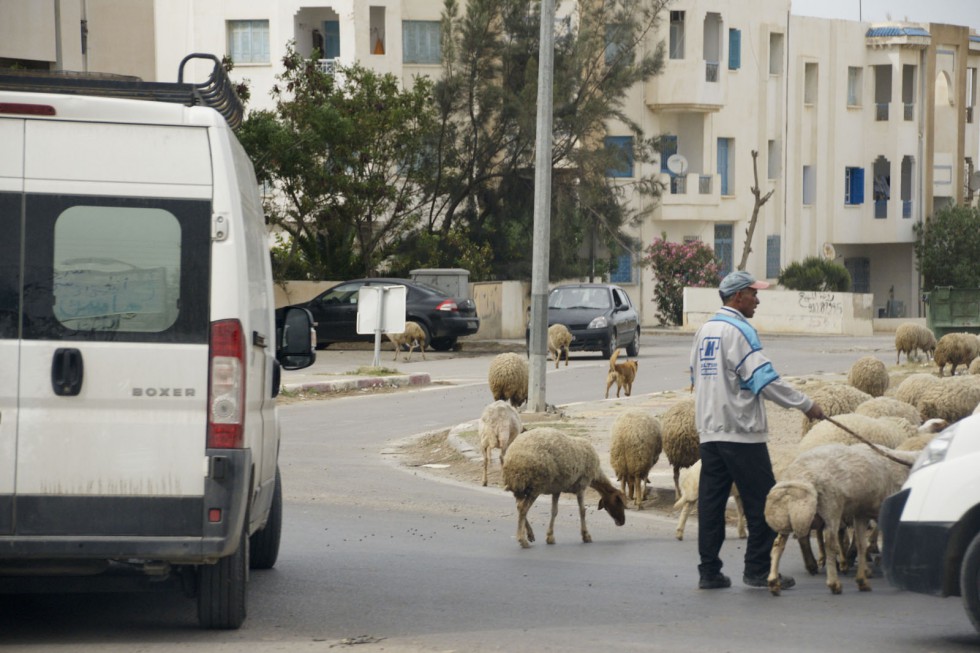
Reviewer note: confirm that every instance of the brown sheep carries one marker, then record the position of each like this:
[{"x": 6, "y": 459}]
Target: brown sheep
[
  {"x": 411, "y": 336},
  {"x": 508, "y": 378},
  {"x": 559, "y": 339}
]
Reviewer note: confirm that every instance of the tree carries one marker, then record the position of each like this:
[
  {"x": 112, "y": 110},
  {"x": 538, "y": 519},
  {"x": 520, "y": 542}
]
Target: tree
[
  {"x": 816, "y": 274},
  {"x": 676, "y": 266},
  {"x": 760, "y": 200},
  {"x": 947, "y": 248},
  {"x": 486, "y": 99},
  {"x": 348, "y": 156}
]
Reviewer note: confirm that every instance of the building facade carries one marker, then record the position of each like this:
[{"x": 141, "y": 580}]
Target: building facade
[{"x": 855, "y": 132}]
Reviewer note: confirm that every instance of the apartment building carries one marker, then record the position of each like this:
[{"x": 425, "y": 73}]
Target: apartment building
[{"x": 861, "y": 130}]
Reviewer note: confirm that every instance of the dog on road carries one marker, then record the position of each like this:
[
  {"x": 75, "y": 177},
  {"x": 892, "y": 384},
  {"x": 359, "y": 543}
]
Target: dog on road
[{"x": 622, "y": 374}]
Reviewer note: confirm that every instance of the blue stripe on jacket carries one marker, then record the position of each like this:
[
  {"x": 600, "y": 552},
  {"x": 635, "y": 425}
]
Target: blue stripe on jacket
[{"x": 762, "y": 375}]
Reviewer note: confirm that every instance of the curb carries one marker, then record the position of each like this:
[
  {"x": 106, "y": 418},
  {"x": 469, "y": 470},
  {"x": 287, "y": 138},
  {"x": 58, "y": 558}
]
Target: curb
[{"x": 359, "y": 383}]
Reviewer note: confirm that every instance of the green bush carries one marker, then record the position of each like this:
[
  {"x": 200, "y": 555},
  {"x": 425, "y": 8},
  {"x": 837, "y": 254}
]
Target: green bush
[{"x": 815, "y": 274}]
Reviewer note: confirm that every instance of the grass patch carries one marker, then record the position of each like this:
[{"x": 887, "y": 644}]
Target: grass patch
[{"x": 369, "y": 370}]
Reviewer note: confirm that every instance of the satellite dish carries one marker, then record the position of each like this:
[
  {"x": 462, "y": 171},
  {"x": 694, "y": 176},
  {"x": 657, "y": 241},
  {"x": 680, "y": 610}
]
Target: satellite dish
[
  {"x": 829, "y": 251},
  {"x": 677, "y": 164}
]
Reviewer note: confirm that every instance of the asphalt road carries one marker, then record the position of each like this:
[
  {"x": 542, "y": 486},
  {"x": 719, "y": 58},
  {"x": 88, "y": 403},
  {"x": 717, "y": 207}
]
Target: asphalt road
[{"x": 380, "y": 557}]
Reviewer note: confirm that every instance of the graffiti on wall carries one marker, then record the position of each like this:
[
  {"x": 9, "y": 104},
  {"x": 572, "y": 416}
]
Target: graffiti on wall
[{"x": 821, "y": 303}]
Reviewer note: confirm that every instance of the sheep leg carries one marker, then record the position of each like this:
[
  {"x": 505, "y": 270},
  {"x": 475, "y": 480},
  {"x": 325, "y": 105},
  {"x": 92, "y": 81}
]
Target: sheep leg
[
  {"x": 524, "y": 533},
  {"x": 677, "y": 483},
  {"x": 806, "y": 550},
  {"x": 832, "y": 545},
  {"x": 861, "y": 542},
  {"x": 581, "y": 513},
  {"x": 822, "y": 558},
  {"x": 740, "y": 517},
  {"x": 486, "y": 464},
  {"x": 640, "y": 482},
  {"x": 550, "y": 538},
  {"x": 566, "y": 356},
  {"x": 685, "y": 511},
  {"x": 778, "y": 546},
  {"x": 422, "y": 348}
]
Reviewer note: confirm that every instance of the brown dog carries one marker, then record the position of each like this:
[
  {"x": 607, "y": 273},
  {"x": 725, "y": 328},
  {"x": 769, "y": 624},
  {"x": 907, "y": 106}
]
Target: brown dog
[{"x": 622, "y": 374}]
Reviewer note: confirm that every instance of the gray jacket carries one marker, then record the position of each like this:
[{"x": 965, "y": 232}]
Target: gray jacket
[{"x": 731, "y": 377}]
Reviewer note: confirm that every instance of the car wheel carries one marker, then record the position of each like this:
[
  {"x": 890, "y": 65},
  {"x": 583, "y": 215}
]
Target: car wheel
[
  {"x": 633, "y": 349},
  {"x": 221, "y": 588},
  {"x": 612, "y": 346},
  {"x": 264, "y": 543},
  {"x": 970, "y": 582},
  {"x": 443, "y": 344},
  {"x": 425, "y": 332}
]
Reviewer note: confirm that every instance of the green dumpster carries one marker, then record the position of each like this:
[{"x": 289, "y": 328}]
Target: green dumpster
[{"x": 951, "y": 309}]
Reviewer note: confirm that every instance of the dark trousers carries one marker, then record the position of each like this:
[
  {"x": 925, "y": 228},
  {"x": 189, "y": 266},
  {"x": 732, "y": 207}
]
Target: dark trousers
[{"x": 749, "y": 467}]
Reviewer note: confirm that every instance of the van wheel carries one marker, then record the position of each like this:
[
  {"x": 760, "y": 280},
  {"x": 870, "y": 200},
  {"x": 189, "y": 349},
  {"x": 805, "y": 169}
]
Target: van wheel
[
  {"x": 264, "y": 543},
  {"x": 970, "y": 582},
  {"x": 221, "y": 588}
]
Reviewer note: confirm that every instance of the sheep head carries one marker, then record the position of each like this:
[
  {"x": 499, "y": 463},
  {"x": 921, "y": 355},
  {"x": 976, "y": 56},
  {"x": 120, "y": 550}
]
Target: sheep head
[
  {"x": 614, "y": 502},
  {"x": 791, "y": 507}
]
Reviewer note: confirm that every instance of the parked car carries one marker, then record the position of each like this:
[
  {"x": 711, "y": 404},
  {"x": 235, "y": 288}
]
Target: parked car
[
  {"x": 601, "y": 316},
  {"x": 444, "y": 319}
]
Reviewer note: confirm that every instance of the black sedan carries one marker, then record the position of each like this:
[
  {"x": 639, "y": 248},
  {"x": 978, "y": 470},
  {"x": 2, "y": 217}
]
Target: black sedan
[
  {"x": 443, "y": 318},
  {"x": 601, "y": 316}
]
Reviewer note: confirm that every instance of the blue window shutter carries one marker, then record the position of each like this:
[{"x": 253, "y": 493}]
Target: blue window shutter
[
  {"x": 734, "y": 49},
  {"x": 331, "y": 39},
  {"x": 857, "y": 186},
  {"x": 624, "y": 167}
]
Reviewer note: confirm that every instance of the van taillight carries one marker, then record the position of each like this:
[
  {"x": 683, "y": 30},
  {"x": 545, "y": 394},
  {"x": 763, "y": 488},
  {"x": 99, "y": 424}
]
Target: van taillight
[
  {"x": 27, "y": 109},
  {"x": 226, "y": 386}
]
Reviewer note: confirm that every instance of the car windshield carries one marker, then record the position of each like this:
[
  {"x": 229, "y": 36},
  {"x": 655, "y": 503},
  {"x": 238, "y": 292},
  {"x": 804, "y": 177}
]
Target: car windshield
[{"x": 579, "y": 298}]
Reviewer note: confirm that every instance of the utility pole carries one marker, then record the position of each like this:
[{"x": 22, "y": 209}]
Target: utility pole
[{"x": 537, "y": 353}]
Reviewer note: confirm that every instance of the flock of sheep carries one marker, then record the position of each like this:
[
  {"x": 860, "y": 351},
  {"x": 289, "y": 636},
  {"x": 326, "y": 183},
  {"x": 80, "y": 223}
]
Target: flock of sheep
[{"x": 830, "y": 482}]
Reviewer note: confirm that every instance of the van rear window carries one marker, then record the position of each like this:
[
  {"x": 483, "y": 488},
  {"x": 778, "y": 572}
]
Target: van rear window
[{"x": 116, "y": 269}]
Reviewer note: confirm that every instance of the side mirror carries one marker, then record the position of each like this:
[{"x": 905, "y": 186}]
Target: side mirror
[{"x": 296, "y": 339}]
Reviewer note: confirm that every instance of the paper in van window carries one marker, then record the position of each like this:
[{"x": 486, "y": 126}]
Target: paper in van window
[{"x": 91, "y": 293}]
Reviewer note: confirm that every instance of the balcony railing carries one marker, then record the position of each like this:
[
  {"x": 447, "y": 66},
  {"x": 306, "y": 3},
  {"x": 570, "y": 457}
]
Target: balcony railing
[
  {"x": 678, "y": 185},
  {"x": 909, "y": 111},
  {"x": 881, "y": 111},
  {"x": 711, "y": 71},
  {"x": 328, "y": 66},
  {"x": 906, "y": 208},
  {"x": 704, "y": 184}
]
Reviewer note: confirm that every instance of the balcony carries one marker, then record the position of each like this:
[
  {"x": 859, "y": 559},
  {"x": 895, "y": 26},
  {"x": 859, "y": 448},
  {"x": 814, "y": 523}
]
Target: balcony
[
  {"x": 687, "y": 85},
  {"x": 686, "y": 196},
  {"x": 328, "y": 66},
  {"x": 711, "y": 71}
]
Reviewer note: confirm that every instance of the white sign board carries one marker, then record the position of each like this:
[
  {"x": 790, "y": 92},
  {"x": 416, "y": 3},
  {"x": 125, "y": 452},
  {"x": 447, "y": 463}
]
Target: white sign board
[{"x": 381, "y": 307}]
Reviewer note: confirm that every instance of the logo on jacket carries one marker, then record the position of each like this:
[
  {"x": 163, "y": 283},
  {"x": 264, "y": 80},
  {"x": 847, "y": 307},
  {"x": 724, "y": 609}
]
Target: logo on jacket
[{"x": 708, "y": 356}]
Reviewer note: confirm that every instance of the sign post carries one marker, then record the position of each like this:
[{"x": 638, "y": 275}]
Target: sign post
[{"x": 380, "y": 310}]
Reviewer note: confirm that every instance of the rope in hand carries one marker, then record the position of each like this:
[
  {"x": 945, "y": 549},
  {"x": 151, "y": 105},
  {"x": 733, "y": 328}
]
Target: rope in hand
[{"x": 868, "y": 442}]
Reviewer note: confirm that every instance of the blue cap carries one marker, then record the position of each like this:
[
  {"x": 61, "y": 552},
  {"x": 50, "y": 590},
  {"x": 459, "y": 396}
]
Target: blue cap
[{"x": 739, "y": 280}]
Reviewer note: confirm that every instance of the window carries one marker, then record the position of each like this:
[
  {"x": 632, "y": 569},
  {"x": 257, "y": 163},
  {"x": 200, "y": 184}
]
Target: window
[
  {"x": 853, "y": 86},
  {"x": 712, "y": 45},
  {"x": 621, "y": 270},
  {"x": 882, "y": 186},
  {"x": 775, "y": 53},
  {"x": 772, "y": 160},
  {"x": 810, "y": 83},
  {"x": 620, "y": 149},
  {"x": 853, "y": 186},
  {"x": 971, "y": 92},
  {"x": 248, "y": 41},
  {"x": 676, "y": 34},
  {"x": 377, "y": 30},
  {"x": 772, "y": 256},
  {"x": 726, "y": 165},
  {"x": 908, "y": 91},
  {"x": 907, "y": 165},
  {"x": 734, "y": 49},
  {"x": 723, "y": 247},
  {"x": 860, "y": 271},
  {"x": 883, "y": 91},
  {"x": 420, "y": 41},
  {"x": 809, "y": 185},
  {"x": 615, "y": 47}
]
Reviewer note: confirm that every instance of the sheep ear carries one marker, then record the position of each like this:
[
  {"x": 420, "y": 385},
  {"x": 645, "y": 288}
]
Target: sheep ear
[{"x": 602, "y": 504}]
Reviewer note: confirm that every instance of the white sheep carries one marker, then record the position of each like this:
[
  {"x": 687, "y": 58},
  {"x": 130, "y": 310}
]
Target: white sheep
[
  {"x": 889, "y": 407},
  {"x": 835, "y": 399},
  {"x": 911, "y": 338},
  {"x": 412, "y": 335},
  {"x": 559, "y": 339},
  {"x": 925, "y": 434},
  {"x": 911, "y": 389},
  {"x": 634, "y": 448},
  {"x": 951, "y": 398},
  {"x": 974, "y": 366},
  {"x": 826, "y": 488},
  {"x": 690, "y": 488},
  {"x": 508, "y": 377},
  {"x": 546, "y": 461},
  {"x": 499, "y": 425},
  {"x": 682, "y": 444},
  {"x": 868, "y": 374},
  {"x": 955, "y": 349},
  {"x": 886, "y": 431}
]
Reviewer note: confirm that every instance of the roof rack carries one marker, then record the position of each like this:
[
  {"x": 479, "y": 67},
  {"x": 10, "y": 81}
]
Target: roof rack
[{"x": 217, "y": 92}]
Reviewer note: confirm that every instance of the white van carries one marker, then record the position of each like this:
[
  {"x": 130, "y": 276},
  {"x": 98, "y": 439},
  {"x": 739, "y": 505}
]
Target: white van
[
  {"x": 931, "y": 528},
  {"x": 139, "y": 357}
]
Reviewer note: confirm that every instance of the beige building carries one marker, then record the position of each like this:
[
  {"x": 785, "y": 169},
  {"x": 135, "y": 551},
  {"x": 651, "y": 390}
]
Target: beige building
[{"x": 862, "y": 130}]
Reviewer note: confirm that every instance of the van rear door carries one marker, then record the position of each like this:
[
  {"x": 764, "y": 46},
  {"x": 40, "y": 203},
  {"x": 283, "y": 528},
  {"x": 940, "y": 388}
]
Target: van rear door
[{"x": 113, "y": 369}]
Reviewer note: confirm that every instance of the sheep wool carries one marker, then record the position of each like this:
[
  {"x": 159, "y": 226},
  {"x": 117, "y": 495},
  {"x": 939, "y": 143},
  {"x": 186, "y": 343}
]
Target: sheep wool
[
  {"x": 835, "y": 399},
  {"x": 911, "y": 338},
  {"x": 950, "y": 398},
  {"x": 974, "y": 366},
  {"x": 499, "y": 425},
  {"x": 546, "y": 461},
  {"x": 889, "y": 407},
  {"x": 412, "y": 335},
  {"x": 868, "y": 374},
  {"x": 955, "y": 349},
  {"x": 839, "y": 484},
  {"x": 634, "y": 448},
  {"x": 913, "y": 386},
  {"x": 559, "y": 339},
  {"x": 885, "y": 431},
  {"x": 508, "y": 377},
  {"x": 682, "y": 445},
  {"x": 690, "y": 489}
]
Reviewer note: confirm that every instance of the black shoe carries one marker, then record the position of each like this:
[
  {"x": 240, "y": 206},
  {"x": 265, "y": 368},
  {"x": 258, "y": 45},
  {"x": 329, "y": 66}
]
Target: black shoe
[
  {"x": 785, "y": 582},
  {"x": 717, "y": 582}
]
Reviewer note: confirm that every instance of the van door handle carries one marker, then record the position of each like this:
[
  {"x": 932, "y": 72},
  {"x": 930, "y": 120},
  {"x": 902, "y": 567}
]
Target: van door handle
[{"x": 66, "y": 372}]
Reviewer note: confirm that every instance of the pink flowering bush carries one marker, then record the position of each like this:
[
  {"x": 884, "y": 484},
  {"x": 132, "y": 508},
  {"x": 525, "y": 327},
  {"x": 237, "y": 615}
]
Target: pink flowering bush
[{"x": 676, "y": 265}]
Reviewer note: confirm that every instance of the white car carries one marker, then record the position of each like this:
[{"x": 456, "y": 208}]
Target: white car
[{"x": 931, "y": 528}]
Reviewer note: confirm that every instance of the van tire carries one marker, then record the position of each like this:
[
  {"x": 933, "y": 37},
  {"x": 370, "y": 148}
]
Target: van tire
[
  {"x": 221, "y": 588},
  {"x": 970, "y": 582},
  {"x": 264, "y": 543}
]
